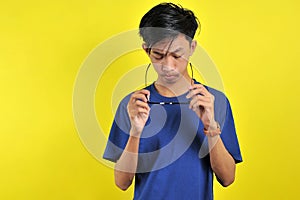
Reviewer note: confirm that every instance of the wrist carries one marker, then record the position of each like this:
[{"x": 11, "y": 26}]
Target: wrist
[
  {"x": 213, "y": 130},
  {"x": 134, "y": 132}
]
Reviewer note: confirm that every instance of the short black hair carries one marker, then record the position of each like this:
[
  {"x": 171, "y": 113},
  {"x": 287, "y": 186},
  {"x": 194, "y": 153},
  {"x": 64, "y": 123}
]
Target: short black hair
[{"x": 167, "y": 20}]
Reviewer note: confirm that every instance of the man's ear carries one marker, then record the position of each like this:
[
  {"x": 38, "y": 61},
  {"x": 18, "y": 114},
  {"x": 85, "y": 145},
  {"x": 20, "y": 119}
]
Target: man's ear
[
  {"x": 145, "y": 47},
  {"x": 193, "y": 47}
]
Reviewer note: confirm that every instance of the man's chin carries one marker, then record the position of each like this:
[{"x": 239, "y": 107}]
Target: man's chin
[{"x": 171, "y": 79}]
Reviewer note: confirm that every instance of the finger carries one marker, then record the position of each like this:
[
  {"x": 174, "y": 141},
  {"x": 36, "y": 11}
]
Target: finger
[
  {"x": 204, "y": 91},
  {"x": 142, "y": 110},
  {"x": 194, "y": 92},
  {"x": 136, "y": 104},
  {"x": 200, "y": 98},
  {"x": 146, "y": 93},
  {"x": 198, "y": 89},
  {"x": 137, "y": 110},
  {"x": 198, "y": 101},
  {"x": 142, "y": 95},
  {"x": 142, "y": 105},
  {"x": 198, "y": 104},
  {"x": 139, "y": 96}
]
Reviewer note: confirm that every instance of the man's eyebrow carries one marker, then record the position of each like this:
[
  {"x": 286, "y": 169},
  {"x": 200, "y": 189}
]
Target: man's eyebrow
[
  {"x": 177, "y": 50},
  {"x": 160, "y": 51}
]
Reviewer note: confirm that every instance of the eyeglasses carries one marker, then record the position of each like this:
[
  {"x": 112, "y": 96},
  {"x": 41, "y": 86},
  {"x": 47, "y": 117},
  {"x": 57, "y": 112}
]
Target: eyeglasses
[{"x": 170, "y": 102}]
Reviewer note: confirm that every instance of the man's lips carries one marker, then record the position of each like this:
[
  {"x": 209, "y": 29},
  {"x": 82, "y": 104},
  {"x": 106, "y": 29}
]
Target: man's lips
[{"x": 170, "y": 75}]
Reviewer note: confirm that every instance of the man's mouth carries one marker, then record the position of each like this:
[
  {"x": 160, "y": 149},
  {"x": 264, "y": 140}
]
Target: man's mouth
[{"x": 170, "y": 75}]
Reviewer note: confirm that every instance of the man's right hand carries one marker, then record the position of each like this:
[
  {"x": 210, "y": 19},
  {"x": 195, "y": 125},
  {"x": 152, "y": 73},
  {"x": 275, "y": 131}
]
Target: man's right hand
[{"x": 138, "y": 111}]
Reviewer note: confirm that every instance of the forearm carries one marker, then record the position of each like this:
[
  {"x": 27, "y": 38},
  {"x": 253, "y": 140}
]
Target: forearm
[
  {"x": 126, "y": 166},
  {"x": 221, "y": 161}
]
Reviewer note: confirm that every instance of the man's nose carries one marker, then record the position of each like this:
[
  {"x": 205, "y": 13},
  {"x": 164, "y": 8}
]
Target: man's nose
[{"x": 168, "y": 63}]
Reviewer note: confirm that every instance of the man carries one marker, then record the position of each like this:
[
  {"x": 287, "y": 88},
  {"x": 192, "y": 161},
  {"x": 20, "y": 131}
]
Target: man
[{"x": 173, "y": 135}]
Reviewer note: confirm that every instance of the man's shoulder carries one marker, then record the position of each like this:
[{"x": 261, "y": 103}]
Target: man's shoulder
[
  {"x": 126, "y": 99},
  {"x": 218, "y": 94}
]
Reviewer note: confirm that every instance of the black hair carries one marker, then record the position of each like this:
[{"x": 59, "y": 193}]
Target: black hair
[{"x": 167, "y": 20}]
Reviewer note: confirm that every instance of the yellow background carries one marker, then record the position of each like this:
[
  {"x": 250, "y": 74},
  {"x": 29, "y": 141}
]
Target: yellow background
[{"x": 254, "y": 44}]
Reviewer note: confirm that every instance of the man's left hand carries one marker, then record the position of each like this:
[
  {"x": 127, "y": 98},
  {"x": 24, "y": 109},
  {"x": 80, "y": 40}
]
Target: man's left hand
[{"x": 202, "y": 103}]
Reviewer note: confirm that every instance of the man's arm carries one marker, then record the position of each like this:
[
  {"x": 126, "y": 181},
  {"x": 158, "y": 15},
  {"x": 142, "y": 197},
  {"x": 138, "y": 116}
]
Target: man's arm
[
  {"x": 138, "y": 111},
  {"x": 222, "y": 163},
  {"x": 126, "y": 166}
]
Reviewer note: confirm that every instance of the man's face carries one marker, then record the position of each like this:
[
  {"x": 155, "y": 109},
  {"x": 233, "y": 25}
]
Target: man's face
[{"x": 170, "y": 58}]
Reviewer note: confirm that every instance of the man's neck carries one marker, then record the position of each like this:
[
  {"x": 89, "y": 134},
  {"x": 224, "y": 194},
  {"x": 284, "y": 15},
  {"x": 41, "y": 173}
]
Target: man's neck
[{"x": 173, "y": 89}]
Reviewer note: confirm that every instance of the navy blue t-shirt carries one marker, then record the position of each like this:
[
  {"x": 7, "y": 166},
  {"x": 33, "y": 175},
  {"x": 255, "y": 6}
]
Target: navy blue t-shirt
[{"x": 173, "y": 160}]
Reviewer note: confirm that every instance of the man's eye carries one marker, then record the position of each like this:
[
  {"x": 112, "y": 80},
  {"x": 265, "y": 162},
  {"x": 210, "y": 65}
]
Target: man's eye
[
  {"x": 176, "y": 56},
  {"x": 157, "y": 56}
]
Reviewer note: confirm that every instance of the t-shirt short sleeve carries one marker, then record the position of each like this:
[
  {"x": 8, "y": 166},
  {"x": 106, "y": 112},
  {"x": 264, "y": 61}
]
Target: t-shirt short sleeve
[
  {"x": 119, "y": 133},
  {"x": 229, "y": 136},
  {"x": 223, "y": 115}
]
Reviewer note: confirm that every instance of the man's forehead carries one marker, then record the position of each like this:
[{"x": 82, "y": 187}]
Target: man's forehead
[{"x": 178, "y": 43}]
